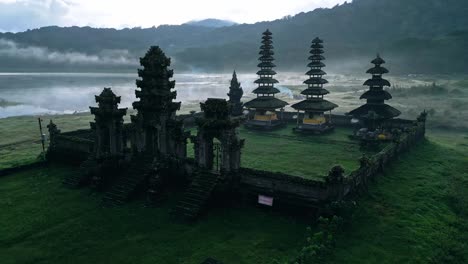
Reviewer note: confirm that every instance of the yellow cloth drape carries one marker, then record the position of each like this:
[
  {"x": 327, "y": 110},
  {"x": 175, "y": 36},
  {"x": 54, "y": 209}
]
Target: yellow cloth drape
[
  {"x": 314, "y": 121},
  {"x": 265, "y": 117}
]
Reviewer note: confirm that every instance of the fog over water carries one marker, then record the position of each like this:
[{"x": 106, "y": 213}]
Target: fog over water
[{"x": 58, "y": 93}]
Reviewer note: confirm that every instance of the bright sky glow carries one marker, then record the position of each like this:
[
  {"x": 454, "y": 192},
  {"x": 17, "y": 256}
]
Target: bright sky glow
[{"x": 19, "y": 15}]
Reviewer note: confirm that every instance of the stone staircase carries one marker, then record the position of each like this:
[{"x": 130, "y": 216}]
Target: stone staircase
[
  {"x": 197, "y": 195},
  {"x": 82, "y": 176},
  {"x": 75, "y": 180},
  {"x": 128, "y": 182}
]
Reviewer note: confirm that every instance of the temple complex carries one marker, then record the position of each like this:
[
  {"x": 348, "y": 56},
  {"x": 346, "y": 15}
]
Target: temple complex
[
  {"x": 375, "y": 112},
  {"x": 314, "y": 106},
  {"x": 149, "y": 155},
  {"x": 264, "y": 106},
  {"x": 235, "y": 95}
]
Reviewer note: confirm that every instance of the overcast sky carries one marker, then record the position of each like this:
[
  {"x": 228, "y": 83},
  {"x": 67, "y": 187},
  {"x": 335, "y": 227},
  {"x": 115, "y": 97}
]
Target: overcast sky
[{"x": 19, "y": 15}]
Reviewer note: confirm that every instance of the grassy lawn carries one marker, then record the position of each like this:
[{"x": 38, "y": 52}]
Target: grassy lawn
[
  {"x": 308, "y": 156},
  {"x": 417, "y": 212},
  {"x": 20, "y": 136},
  {"x": 43, "y": 222},
  {"x": 20, "y": 154}
]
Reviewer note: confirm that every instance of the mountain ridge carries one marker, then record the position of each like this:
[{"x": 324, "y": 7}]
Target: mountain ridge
[
  {"x": 421, "y": 29},
  {"x": 211, "y": 23}
]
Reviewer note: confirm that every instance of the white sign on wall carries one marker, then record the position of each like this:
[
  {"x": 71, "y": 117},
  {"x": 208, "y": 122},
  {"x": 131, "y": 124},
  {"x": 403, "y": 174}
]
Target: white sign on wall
[{"x": 265, "y": 200}]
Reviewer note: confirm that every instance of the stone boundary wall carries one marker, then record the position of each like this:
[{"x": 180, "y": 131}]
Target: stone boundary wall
[
  {"x": 72, "y": 146},
  {"x": 313, "y": 193},
  {"x": 358, "y": 179},
  {"x": 284, "y": 188}
]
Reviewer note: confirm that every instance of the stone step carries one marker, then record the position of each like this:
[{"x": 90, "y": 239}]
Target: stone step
[
  {"x": 127, "y": 183},
  {"x": 196, "y": 196},
  {"x": 73, "y": 181}
]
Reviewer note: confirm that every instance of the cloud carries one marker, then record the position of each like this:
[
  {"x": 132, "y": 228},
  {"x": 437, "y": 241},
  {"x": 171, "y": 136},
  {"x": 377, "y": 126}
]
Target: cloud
[
  {"x": 106, "y": 57},
  {"x": 19, "y": 15},
  {"x": 25, "y": 14}
]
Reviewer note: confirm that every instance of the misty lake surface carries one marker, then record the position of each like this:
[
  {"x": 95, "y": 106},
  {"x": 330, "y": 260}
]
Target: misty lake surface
[
  {"x": 66, "y": 93},
  {"x": 59, "y": 93}
]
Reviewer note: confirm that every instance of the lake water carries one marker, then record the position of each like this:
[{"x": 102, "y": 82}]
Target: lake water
[{"x": 59, "y": 93}]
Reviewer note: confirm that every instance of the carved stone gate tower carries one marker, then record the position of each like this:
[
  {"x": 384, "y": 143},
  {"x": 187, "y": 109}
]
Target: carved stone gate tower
[
  {"x": 156, "y": 130},
  {"x": 108, "y": 125},
  {"x": 216, "y": 124}
]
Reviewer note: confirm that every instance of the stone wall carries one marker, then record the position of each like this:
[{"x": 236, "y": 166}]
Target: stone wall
[
  {"x": 72, "y": 146},
  {"x": 358, "y": 179},
  {"x": 284, "y": 188},
  {"x": 313, "y": 193}
]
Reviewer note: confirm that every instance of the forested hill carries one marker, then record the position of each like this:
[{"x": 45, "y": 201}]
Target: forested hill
[{"x": 420, "y": 36}]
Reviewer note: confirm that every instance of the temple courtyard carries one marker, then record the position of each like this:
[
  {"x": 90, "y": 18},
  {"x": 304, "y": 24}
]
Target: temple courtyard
[
  {"x": 279, "y": 151},
  {"x": 306, "y": 156}
]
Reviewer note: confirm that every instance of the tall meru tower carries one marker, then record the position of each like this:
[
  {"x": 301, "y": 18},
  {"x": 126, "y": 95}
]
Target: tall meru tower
[
  {"x": 314, "y": 106},
  {"x": 265, "y": 104},
  {"x": 375, "y": 111}
]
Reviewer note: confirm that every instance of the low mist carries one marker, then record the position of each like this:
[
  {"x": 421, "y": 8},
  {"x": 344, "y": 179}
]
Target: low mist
[{"x": 12, "y": 50}]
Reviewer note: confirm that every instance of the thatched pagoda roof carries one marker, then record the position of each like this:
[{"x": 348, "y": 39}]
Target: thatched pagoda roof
[
  {"x": 384, "y": 111},
  {"x": 314, "y": 105},
  {"x": 377, "y": 70},
  {"x": 266, "y": 72},
  {"x": 315, "y": 91},
  {"x": 315, "y": 72},
  {"x": 315, "y": 81},
  {"x": 316, "y": 57},
  {"x": 376, "y": 95},
  {"x": 266, "y": 90},
  {"x": 266, "y": 102},
  {"x": 379, "y": 82}
]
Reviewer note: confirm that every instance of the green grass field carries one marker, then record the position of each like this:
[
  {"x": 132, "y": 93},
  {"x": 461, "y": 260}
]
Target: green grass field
[
  {"x": 417, "y": 212},
  {"x": 282, "y": 150},
  {"x": 308, "y": 156},
  {"x": 44, "y": 222}
]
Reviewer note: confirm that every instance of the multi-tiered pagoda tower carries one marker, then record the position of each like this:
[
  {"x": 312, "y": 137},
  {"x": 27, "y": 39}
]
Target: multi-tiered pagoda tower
[
  {"x": 265, "y": 104},
  {"x": 314, "y": 106},
  {"x": 375, "y": 111},
  {"x": 157, "y": 131},
  {"x": 235, "y": 95}
]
